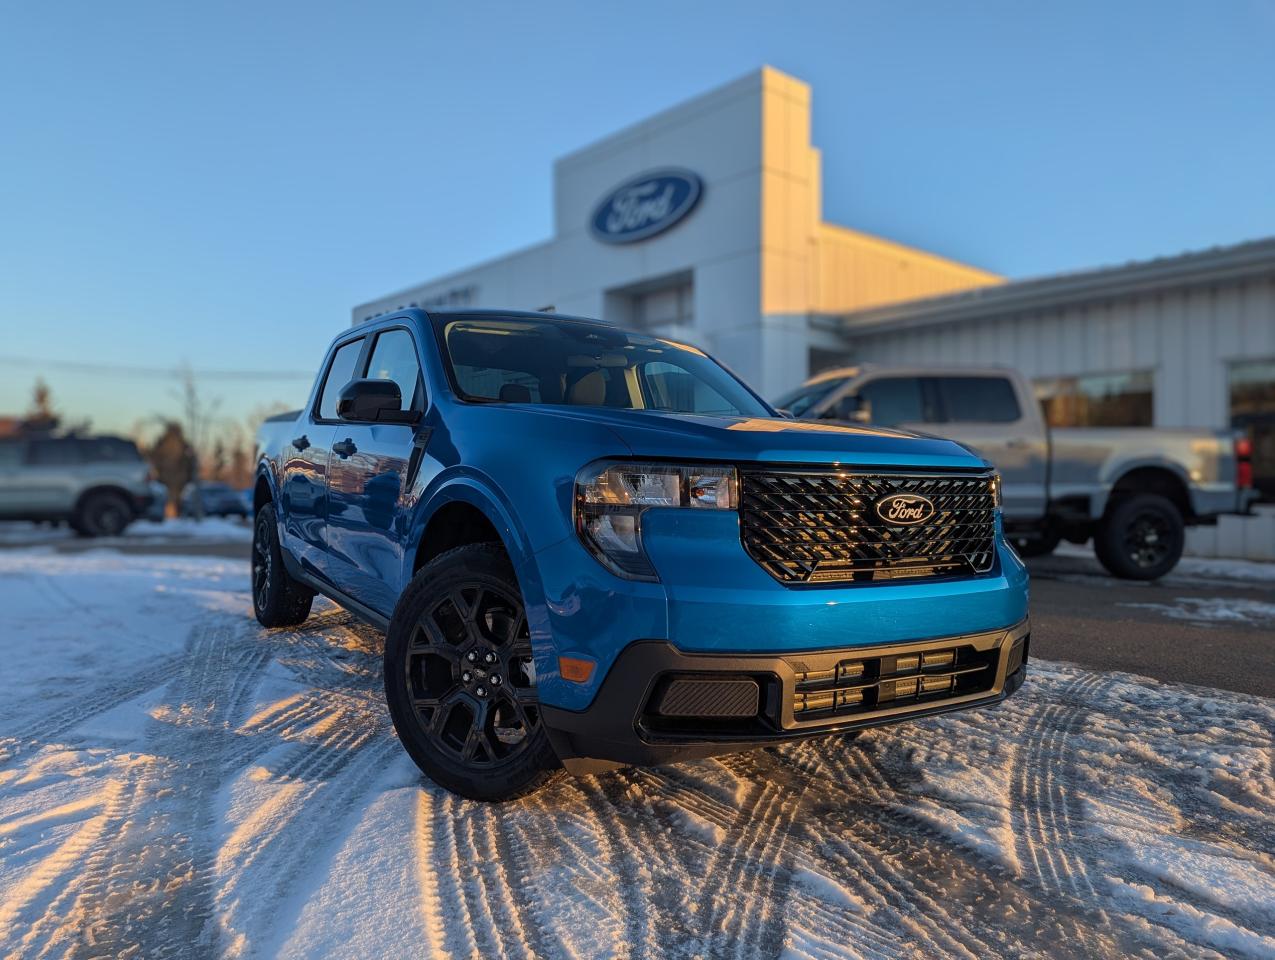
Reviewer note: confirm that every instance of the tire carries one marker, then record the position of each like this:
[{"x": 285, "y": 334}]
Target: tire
[
  {"x": 1141, "y": 537},
  {"x": 277, "y": 599},
  {"x": 1041, "y": 546},
  {"x": 459, "y": 682},
  {"x": 103, "y": 514}
]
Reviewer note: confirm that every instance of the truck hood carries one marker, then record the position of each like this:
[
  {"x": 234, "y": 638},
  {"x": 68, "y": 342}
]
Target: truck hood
[{"x": 649, "y": 433}]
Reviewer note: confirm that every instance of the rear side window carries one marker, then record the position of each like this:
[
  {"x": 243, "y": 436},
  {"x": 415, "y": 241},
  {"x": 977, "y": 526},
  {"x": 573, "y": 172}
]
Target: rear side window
[
  {"x": 894, "y": 400},
  {"x": 53, "y": 453},
  {"x": 10, "y": 453},
  {"x": 394, "y": 358},
  {"x": 340, "y": 372},
  {"x": 109, "y": 450},
  {"x": 978, "y": 399}
]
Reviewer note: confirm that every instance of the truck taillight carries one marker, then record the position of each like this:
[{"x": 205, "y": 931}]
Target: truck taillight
[{"x": 1244, "y": 463}]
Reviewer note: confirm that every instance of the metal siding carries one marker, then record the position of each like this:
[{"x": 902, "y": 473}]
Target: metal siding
[{"x": 1186, "y": 338}]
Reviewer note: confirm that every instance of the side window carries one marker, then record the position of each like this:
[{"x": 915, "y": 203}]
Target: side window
[
  {"x": 894, "y": 400},
  {"x": 10, "y": 453},
  {"x": 53, "y": 453},
  {"x": 978, "y": 399},
  {"x": 340, "y": 372},
  {"x": 394, "y": 358}
]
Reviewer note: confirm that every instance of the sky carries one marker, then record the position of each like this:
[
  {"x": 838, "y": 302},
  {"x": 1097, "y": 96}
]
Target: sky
[{"x": 217, "y": 185}]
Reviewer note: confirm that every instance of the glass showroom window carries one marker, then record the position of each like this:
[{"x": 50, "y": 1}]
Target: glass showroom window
[
  {"x": 1098, "y": 400},
  {"x": 1253, "y": 410}
]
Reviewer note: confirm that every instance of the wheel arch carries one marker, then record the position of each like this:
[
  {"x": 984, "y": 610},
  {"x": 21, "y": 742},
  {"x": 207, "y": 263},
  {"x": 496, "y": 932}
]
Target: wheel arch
[
  {"x": 465, "y": 510},
  {"x": 1163, "y": 478},
  {"x": 100, "y": 488}
]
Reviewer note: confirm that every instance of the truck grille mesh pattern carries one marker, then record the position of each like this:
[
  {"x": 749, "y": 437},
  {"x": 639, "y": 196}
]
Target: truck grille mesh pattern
[{"x": 809, "y": 526}]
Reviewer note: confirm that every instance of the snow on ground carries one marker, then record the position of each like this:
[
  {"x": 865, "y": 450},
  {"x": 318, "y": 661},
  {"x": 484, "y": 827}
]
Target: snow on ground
[
  {"x": 176, "y": 781},
  {"x": 1188, "y": 568},
  {"x": 219, "y": 529}
]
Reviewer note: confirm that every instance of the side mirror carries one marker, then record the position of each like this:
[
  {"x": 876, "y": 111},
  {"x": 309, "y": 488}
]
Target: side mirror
[{"x": 373, "y": 401}]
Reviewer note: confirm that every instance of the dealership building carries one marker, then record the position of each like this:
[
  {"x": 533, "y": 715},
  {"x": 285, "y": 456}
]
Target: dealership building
[{"x": 704, "y": 224}]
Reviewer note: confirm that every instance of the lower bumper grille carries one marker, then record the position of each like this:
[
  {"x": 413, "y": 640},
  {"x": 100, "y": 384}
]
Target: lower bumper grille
[{"x": 867, "y": 684}]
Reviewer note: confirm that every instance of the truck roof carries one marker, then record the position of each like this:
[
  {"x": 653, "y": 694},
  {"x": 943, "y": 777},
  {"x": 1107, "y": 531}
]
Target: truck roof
[{"x": 464, "y": 312}]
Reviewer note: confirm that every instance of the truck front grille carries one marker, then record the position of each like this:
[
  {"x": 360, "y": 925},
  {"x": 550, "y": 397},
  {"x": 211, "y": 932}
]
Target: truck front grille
[
  {"x": 867, "y": 684},
  {"x": 820, "y": 526}
]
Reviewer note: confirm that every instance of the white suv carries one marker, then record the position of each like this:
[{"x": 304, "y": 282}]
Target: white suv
[{"x": 99, "y": 485}]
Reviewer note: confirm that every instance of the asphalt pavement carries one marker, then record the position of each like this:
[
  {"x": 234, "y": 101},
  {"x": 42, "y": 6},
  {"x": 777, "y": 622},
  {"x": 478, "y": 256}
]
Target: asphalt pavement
[{"x": 1184, "y": 628}]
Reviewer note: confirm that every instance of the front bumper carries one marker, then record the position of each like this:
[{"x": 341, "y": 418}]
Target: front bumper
[{"x": 659, "y": 704}]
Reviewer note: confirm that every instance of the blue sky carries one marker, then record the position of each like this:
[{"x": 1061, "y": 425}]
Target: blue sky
[{"x": 219, "y": 183}]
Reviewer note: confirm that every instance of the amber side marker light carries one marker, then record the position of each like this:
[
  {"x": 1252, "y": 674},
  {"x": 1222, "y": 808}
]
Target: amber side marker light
[{"x": 575, "y": 669}]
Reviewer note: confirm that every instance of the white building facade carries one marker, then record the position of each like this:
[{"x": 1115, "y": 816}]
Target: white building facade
[{"x": 740, "y": 272}]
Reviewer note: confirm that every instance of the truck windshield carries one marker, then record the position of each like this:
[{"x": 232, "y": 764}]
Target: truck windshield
[{"x": 587, "y": 364}]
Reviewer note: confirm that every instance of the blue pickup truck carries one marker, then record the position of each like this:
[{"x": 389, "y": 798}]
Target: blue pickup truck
[{"x": 589, "y": 547}]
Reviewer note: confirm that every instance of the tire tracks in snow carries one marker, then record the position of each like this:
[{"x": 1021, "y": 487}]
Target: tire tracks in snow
[{"x": 1043, "y": 805}]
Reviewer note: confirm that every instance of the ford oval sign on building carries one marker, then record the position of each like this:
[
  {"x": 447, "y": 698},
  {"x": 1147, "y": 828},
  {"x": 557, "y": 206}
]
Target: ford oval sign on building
[{"x": 646, "y": 205}]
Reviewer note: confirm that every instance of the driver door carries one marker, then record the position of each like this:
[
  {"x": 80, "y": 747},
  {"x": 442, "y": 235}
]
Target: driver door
[{"x": 371, "y": 476}]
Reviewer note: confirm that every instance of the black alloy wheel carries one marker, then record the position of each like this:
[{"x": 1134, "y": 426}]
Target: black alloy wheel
[
  {"x": 1141, "y": 537},
  {"x": 277, "y": 599},
  {"x": 471, "y": 677},
  {"x": 262, "y": 564},
  {"x": 1146, "y": 539},
  {"x": 460, "y": 679}
]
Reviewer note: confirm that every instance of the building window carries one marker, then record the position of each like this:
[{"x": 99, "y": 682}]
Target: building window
[
  {"x": 1252, "y": 385},
  {"x": 1098, "y": 400},
  {"x": 820, "y": 360},
  {"x": 665, "y": 311}
]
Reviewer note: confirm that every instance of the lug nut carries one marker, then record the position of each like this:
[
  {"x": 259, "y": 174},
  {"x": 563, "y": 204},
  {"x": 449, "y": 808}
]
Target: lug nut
[
  {"x": 481, "y": 691},
  {"x": 471, "y": 656},
  {"x": 489, "y": 657},
  {"x": 495, "y": 680},
  {"x": 466, "y": 676}
]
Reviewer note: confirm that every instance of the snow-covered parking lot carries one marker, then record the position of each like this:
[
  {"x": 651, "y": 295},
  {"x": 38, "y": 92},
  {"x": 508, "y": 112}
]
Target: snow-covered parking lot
[{"x": 174, "y": 781}]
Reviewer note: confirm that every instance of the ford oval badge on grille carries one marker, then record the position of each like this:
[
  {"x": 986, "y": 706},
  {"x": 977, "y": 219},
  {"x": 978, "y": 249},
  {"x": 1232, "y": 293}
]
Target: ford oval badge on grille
[{"x": 905, "y": 509}]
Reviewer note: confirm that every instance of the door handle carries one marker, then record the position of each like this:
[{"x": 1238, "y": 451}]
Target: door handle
[
  {"x": 345, "y": 448},
  {"x": 301, "y": 442}
]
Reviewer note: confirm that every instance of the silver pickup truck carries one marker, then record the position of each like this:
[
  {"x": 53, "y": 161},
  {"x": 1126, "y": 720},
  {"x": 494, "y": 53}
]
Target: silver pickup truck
[{"x": 1133, "y": 490}]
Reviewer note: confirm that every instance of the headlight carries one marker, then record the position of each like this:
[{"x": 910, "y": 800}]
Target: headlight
[
  {"x": 996, "y": 490},
  {"x": 611, "y": 496}
]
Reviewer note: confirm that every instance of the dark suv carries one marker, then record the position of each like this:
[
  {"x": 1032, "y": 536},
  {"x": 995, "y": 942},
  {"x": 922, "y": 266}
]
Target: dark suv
[{"x": 99, "y": 485}]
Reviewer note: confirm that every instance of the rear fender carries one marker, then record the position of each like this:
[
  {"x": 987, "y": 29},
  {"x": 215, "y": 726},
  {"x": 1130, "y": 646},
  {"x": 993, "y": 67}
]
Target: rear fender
[{"x": 1115, "y": 468}]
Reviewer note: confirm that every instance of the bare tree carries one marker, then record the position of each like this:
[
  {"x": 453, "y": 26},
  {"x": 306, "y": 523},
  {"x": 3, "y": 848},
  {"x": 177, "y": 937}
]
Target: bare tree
[
  {"x": 197, "y": 418},
  {"x": 41, "y": 416}
]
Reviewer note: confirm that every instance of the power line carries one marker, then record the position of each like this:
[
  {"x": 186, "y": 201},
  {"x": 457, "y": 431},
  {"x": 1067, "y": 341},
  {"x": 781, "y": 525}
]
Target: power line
[{"x": 39, "y": 363}]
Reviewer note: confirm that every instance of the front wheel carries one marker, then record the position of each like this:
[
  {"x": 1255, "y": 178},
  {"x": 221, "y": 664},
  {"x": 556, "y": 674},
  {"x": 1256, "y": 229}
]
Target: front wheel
[
  {"x": 460, "y": 681},
  {"x": 1141, "y": 537}
]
